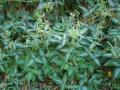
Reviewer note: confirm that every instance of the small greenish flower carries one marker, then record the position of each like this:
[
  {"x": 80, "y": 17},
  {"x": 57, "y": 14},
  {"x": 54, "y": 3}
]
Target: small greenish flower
[{"x": 74, "y": 33}]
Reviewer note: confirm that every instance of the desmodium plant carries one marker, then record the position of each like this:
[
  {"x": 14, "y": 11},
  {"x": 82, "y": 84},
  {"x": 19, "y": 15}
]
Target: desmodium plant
[{"x": 60, "y": 45}]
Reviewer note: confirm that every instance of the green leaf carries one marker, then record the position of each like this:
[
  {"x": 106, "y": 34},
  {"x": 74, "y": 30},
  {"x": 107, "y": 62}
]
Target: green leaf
[
  {"x": 86, "y": 12},
  {"x": 117, "y": 73},
  {"x": 91, "y": 2},
  {"x": 42, "y": 56},
  {"x": 111, "y": 3},
  {"x": 30, "y": 77},
  {"x": 112, "y": 62},
  {"x": 91, "y": 55},
  {"x": 68, "y": 54},
  {"x": 57, "y": 80}
]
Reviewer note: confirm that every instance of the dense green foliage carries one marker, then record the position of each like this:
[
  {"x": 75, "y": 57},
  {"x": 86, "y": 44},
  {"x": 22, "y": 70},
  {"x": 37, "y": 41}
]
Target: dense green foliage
[{"x": 60, "y": 44}]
